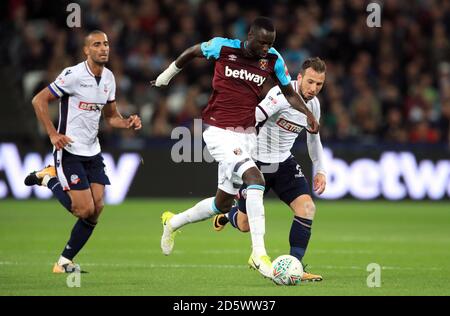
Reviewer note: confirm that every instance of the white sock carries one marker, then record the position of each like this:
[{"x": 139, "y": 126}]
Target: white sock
[
  {"x": 256, "y": 220},
  {"x": 63, "y": 260},
  {"x": 199, "y": 212},
  {"x": 45, "y": 180}
]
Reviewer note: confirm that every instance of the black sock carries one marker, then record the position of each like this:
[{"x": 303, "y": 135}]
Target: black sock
[
  {"x": 232, "y": 216},
  {"x": 299, "y": 236},
  {"x": 62, "y": 196},
  {"x": 78, "y": 238},
  {"x": 223, "y": 220}
]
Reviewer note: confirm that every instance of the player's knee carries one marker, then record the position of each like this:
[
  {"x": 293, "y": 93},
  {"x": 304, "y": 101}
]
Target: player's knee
[
  {"x": 86, "y": 213},
  {"x": 224, "y": 206},
  {"x": 310, "y": 210},
  {"x": 83, "y": 211},
  {"x": 254, "y": 177}
]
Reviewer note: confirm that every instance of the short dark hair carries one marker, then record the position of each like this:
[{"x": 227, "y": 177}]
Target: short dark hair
[
  {"x": 262, "y": 22},
  {"x": 315, "y": 63},
  {"x": 94, "y": 32}
]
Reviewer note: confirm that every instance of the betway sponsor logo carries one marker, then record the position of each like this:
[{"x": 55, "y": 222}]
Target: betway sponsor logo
[
  {"x": 244, "y": 75},
  {"x": 395, "y": 176},
  {"x": 90, "y": 106},
  {"x": 289, "y": 126}
]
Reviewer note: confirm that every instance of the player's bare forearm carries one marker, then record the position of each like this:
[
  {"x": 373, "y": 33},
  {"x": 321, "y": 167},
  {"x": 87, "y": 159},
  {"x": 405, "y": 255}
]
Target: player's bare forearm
[
  {"x": 295, "y": 100},
  {"x": 40, "y": 105},
  {"x": 299, "y": 104},
  {"x": 133, "y": 122},
  {"x": 164, "y": 78},
  {"x": 189, "y": 54},
  {"x": 115, "y": 119},
  {"x": 116, "y": 122}
]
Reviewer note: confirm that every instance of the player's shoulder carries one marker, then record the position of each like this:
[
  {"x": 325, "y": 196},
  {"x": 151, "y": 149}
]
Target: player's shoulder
[
  {"x": 107, "y": 72},
  {"x": 274, "y": 52},
  {"x": 223, "y": 41},
  {"x": 72, "y": 71},
  {"x": 77, "y": 69},
  {"x": 69, "y": 75},
  {"x": 275, "y": 92},
  {"x": 277, "y": 95}
]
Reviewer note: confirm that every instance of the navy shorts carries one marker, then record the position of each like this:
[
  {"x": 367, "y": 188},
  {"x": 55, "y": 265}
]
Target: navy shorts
[
  {"x": 288, "y": 182},
  {"x": 78, "y": 172}
]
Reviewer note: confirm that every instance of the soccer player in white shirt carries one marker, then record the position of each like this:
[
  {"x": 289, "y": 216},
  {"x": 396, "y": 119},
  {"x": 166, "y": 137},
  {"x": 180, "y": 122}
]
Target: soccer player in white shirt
[
  {"x": 279, "y": 126},
  {"x": 78, "y": 181}
]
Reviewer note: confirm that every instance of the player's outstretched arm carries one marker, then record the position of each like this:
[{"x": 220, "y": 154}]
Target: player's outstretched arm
[
  {"x": 315, "y": 150},
  {"x": 115, "y": 119},
  {"x": 40, "y": 103},
  {"x": 299, "y": 104},
  {"x": 175, "y": 67}
]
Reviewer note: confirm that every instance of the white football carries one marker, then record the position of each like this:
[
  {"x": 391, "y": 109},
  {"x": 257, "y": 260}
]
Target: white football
[{"x": 287, "y": 270}]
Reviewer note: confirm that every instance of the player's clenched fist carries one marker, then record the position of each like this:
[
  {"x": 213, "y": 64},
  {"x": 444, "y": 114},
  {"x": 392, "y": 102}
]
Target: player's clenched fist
[{"x": 134, "y": 121}]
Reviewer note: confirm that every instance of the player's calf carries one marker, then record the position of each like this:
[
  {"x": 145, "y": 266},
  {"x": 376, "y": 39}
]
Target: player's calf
[
  {"x": 223, "y": 201},
  {"x": 235, "y": 217},
  {"x": 81, "y": 232},
  {"x": 47, "y": 177},
  {"x": 255, "y": 209},
  {"x": 300, "y": 232},
  {"x": 239, "y": 220},
  {"x": 242, "y": 222}
]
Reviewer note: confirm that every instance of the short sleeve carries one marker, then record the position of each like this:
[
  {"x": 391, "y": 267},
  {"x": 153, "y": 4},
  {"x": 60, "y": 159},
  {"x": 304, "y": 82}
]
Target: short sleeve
[
  {"x": 273, "y": 102},
  {"x": 281, "y": 71},
  {"x": 212, "y": 48},
  {"x": 112, "y": 92},
  {"x": 64, "y": 84}
]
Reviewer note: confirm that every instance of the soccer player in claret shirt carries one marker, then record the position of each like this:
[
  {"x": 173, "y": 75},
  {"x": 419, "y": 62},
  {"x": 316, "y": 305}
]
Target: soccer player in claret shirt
[
  {"x": 78, "y": 181},
  {"x": 279, "y": 126},
  {"x": 241, "y": 68}
]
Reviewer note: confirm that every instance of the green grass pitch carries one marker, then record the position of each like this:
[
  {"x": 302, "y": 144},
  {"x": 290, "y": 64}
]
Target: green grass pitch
[{"x": 409, "y": 240}]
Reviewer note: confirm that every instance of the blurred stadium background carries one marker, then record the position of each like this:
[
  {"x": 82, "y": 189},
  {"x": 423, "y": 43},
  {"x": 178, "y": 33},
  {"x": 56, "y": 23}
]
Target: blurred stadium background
[
  {"x": 385, "y": 118},
  {"x": 387, "y": 89}
]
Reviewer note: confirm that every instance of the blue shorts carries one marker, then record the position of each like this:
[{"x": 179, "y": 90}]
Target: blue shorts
[
  {"x": 288, "y": 182},
  {"x": 78, "y": 172}
]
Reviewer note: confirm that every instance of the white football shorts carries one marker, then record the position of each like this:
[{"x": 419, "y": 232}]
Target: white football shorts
[{"x": 233, "y": 152}]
